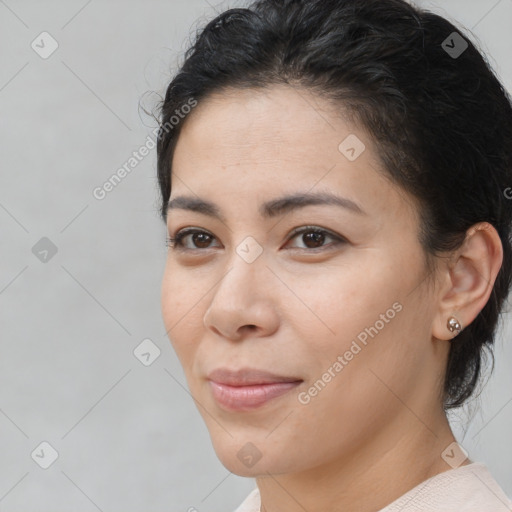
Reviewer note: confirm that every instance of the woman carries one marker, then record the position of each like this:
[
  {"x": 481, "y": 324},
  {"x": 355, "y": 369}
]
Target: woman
[{"x": 339, "y": 249}]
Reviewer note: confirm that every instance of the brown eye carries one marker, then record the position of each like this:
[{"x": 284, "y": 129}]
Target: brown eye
[
  {"x": 201, "y": 240},
  {"x": 315, "y": 238},
  {"x": 190, "y": 239}
]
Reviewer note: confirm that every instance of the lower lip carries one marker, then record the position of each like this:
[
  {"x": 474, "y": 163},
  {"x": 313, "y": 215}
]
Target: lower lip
[{"x": 237, "y": 398}]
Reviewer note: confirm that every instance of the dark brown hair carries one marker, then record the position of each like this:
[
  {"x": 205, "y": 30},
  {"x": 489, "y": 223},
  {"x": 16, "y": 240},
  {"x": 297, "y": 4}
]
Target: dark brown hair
[{"x": 441, "y": 120}]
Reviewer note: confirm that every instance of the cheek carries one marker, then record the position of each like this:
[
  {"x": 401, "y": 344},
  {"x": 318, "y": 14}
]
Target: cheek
[
  {"x": 361, "y": 322},
  {"x": 181, "y": 293},
  {"x": 182, "y": 313},
  {"x": 372, "y": 318},
  {"x": 337, "y": 303}
]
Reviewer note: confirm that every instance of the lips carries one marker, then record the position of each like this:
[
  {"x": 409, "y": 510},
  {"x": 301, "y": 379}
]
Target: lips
[
  {"x": 247, "y": 377},
  {"x": 248, "y": 388}
]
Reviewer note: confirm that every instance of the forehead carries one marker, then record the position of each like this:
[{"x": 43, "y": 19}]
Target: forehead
[
  {"x": 278, "y": 121},
  {"x": 279, "y": 139}
]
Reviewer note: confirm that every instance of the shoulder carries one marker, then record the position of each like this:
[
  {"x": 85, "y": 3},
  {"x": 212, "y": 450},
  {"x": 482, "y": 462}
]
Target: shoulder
[
  {"x": 251, "y": 503},
  {"x": 469, "y": 488}
]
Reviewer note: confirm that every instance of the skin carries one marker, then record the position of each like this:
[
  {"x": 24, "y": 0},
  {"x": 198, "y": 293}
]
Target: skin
[{"x": 378, "y": 428}]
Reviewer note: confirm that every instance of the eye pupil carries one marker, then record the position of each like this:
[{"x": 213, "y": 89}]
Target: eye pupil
[
  {"x": 201, "y": 240},
  {"x": 317, "y": 239}
]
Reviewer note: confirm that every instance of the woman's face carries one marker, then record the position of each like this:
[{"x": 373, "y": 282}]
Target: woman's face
[{"x": 342, "y": 307}]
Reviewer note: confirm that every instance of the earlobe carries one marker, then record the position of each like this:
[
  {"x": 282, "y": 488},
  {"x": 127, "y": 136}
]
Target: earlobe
[{"x": 470, "y": 280}]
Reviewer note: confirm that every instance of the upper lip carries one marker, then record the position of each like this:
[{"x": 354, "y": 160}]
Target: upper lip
[{"x": 247, "y": 377}]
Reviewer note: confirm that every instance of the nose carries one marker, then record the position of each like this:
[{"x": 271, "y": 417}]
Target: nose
[{"x": 243, "y": 302}]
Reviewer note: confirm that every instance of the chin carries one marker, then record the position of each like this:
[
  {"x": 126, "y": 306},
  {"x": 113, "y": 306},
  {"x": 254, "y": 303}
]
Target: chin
[{"x": 245, "y": 458}]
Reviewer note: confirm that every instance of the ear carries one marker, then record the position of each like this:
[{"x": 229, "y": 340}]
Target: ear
[{"x": 468, "y": 279}]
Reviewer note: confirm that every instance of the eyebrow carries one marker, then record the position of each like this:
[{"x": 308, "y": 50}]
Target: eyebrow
[{"x": 270, "y": 209}]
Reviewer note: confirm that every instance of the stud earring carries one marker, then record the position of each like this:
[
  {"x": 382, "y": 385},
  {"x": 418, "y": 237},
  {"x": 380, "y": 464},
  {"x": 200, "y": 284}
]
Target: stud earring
[{"x": 454, "y": 325}]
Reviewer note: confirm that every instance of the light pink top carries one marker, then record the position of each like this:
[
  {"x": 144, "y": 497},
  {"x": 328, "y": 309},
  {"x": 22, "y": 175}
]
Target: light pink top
[{"x": 469, "y": 488}]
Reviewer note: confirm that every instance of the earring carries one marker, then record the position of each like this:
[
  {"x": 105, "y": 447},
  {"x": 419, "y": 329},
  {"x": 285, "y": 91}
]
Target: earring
[{"x": 454, "y": 325}]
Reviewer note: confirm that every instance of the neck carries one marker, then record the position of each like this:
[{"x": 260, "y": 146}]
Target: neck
[{"x": 403, "y": 455}]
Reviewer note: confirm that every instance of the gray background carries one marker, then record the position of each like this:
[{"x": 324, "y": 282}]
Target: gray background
[{"x": 128, "y": 436}]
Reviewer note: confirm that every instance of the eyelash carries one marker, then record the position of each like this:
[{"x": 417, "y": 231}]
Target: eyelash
[{"x": 176, "y": 242}]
